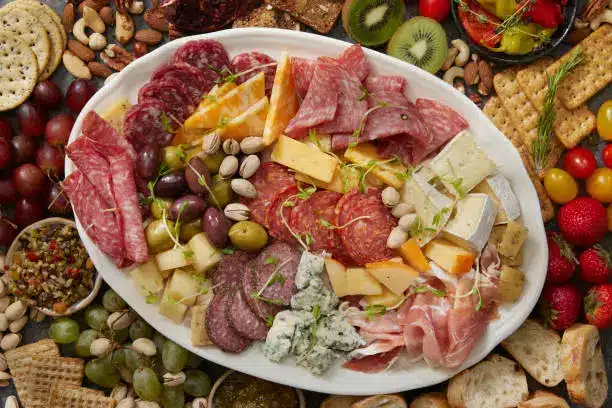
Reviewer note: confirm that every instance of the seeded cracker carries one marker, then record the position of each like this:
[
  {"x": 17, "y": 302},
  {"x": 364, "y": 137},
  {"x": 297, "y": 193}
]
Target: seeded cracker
[
  {"x": 18, "y": 70},
  {"x": 56, "y": 18},
  {"x": 318, "y": 14},
  {"x": 78, "y": 397},
  {"x": 27, "y": 28},
  {"x": 51, "y": 372},
  {"x": 267, "y": 16}
]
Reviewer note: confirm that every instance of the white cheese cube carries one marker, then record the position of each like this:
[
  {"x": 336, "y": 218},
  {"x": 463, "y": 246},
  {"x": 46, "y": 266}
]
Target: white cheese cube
[
  {"x": 498, "y": 188},
  {"x": 472, "y": 223}
]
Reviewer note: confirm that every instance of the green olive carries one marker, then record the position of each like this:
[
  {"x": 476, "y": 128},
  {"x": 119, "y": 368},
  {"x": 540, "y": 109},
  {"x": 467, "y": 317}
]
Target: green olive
[
  {"x": 248, "y": 236},
  {"x": 222, "y": 192},
  {"x": 159, "y": 205},
  {"x": 174, "y": 157},
  {"x": 213, "y": 161},
  {"x": 157, "y": 236},
  {"x": 190, "y": 229}
]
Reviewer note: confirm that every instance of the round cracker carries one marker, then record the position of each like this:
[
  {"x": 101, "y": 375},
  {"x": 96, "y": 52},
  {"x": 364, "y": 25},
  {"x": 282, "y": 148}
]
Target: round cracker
[
  {"x": 29, "y": 29},
  {"x": 18, "y": 70},
  {"x": 51, "y": 13}
]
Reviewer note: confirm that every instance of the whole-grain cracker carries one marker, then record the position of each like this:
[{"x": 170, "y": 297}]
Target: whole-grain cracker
[
  {"x": 18, "y": 70},
  {"x": 28, "y": 28},
  {"x": 496, "y": 112},
  {"x": 546, "y": 206},
  {"x": 79, "y": 397},
  {"x": 51, "y": 372}
]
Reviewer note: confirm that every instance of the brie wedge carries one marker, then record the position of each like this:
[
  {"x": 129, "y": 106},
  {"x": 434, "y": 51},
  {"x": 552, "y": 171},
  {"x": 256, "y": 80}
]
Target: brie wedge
[
  {"x": 472, "y": 223},
  {"x": 498, "y": 188}
]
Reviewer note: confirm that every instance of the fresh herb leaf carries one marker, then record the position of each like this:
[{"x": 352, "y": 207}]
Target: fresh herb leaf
[
  {"x": 307, "y": 239},
  {"x": 228, "y": 250},
  {"x": 433, "y": 180},
  {"x": 364, "y": 93},
  {"x": 257, "y": 296},
  {"x": 316, "y": 314},
  {"x": 151, "y": 297},
  {"x": 480, "y": 302},
  {"x": 269, "y": 320},
  {"x": 326, "y": 223},
  {"x": 438, "y": 217},
  {"x": 305, "y": 193},
  {"x": 430, "y": 289},
  {"x": 375, "y": 310},
  {"x": 288, "y": 203},
  {"x": 277, "y": 278},
  {"x": 270, "y": 260},
  {"x": 167, "y": 123},
  {"x": 188, "y": 254}
]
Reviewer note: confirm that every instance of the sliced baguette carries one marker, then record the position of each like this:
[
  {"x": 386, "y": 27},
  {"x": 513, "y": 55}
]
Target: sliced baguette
[
  {"x": 381, "y": 401},
  {"x": 430, "y": 400},
  {"x": 544, "y": 399},
  {"x": 538, "y": 350},
  {"x": 583, "y": 366},
  {"x": 339, "y": 401},
  {"x": 496, "y": 382}
]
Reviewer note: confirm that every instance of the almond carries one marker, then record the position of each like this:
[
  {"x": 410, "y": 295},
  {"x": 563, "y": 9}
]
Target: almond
[
  {"x": 81, "y": 51},
  {"x": 156, "y": 19},
  {"x": 108, "y": 15},
  {"x": 470, "y": 74},
  {"x": 68, "y": 17},
  {"x": 75, "y": 66},
  {"x": 486, "y": 77},
  {"x": 98, "y": 69},
  {"x": 140, "y": 49},
  {"x": 148, "y": 36}
]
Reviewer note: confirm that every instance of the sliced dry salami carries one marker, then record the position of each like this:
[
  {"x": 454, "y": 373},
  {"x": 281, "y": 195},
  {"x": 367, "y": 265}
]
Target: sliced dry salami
[
  {"x": 365, "y": 239},
  {"x": 275, "y": 270},
  {"x": 146, "y": 123},
  {"x": 265, "y": 310},
  {"x": 218, "y": 327},
  {"x": 355, "y": 61},
  {"x": 246, "y": 65},
  {"x": 302, "y": 70},
  {"x": 443, "y": 123},
  {"x": 243, "y": 319},
  {"x": 401, "y": 146},
  {"x": 173, "y": 94},
  {"x": 377, "y": 83},
  {"x": 207, "y": 55},
  {"x": 229, "y": 272},
  {"x": 104, "y": 136},
  {"x": 279, "y": 214},
  {"x": 199, "y": 82}
]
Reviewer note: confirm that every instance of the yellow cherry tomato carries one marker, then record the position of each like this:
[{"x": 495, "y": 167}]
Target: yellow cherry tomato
[
  {"x": 604, "y": 120},
  {"x": 560, "y": 186},
  {"x": 599, "y": 185}
]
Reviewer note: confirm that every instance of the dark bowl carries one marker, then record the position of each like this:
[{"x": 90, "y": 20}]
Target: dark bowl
[{"x": 556, "y": 39}]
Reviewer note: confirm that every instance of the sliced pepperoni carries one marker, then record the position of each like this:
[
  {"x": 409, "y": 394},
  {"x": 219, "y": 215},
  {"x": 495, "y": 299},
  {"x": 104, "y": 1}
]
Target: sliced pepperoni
[
  {"x": 443, "y": 123},
  {"x": 173, "y": 94},
  {"x": 199, "y": 82},
  {"x": 265, "y": 310},
  {"x": 207, "y": 55},
  {"x": 279, "y": 214},
  {"x": 244, "y": 320},
  {"x": 229, "y": 272},
  {"x": 250, "y": 61},
  {"x": 218, "y": 327},
  {"x": 377, "y": 83},
  {"x": 145, "y": 123},
  {"x": 302, "y": 70},
  {"x": 355, "y": 61},
  {"x": 365, "y": 239},
  {"x": 282, "y": 260}
]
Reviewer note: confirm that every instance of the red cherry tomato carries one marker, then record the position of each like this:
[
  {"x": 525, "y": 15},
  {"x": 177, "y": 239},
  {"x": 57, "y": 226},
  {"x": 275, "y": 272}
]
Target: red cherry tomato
[
  {"x": 436, "y": 9},
  {"x": 580, "y": 162},
  {"x": 606, "y": 155}
]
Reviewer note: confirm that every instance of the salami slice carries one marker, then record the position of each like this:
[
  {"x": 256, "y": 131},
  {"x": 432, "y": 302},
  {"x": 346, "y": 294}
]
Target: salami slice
[
  {"x": 207, "y": 55},
  {"x": 277, "y": 260},
  {"x": 218, "y": 327},
  {"x": 229, "y": 272},
  {"x": 244, "y": 320},
  {"x": 173, "y": 94},
  {"x": 355, "y": 61},
  {"x": 246, "y": 65},
  {"x": 442, "y": 121},
  {"x": 365, "y": 239},
  {"x": 302, "y": 70},
  {"x": 145, "y": 123},
  {"x": 279, "y": 214},
  {"x": 104, "y": 136},
  {"x": 265, "y": 310},
  {"x": 199, "y": 82},
  {"x": 393, "y": 83},
  {"x": 401, "y": 146}
]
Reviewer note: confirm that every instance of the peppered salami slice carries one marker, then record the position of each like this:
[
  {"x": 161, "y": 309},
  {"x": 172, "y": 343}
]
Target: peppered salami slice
[
  {"x": 246, "y": 65},
  {"x": 377, "y": 83},
  {"x": 402, "y": 146},
  {"x": 218, "y": 326},
  {"x": 355, "y": 61},
  {"x": 279, "y": 214},
  {"x": 197, "y": 81},
  {"x": 144, "y": 124},
  {"x": 265, "y": 310},
  {"x": 229, "y": 272},
  {"x": 365, "y": 239},
  {"x": 173, "y": 94},
  {"x": 277, "y": 260},
  {"x": 443, "y": 122},
  {"x": 302, "y": 70},
  {"x": 207, "y": 55},
  {"x": 243, "y": 319}
]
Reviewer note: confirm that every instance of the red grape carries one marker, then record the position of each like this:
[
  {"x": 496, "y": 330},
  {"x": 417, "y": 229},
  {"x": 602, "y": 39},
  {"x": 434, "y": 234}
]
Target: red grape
[
  {"x": 29, "y": 180},
  {"x": 28, "y": 211},
  {"x": 23, "y": 148},
  {"x": 8, "y": 191},
  {"x": 47, "y": 94},
  {"x": 57, "y": 131},
  {"x": 57, "y": 200},
  {"x": 8, "y": 231},
  {"x": 79, "y": 92},
  {"x": 6, "y": 131},
  {"x": 50, "y": 160},
  {"x": 6, "y": 153},
  {"x": 32, "y": 119}
]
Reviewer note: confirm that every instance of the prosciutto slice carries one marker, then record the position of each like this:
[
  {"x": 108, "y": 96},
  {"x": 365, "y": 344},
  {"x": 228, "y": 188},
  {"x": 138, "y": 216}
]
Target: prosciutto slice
[
  {"x": 355, "y": 61},
  {"x": 374, "y": 363}
]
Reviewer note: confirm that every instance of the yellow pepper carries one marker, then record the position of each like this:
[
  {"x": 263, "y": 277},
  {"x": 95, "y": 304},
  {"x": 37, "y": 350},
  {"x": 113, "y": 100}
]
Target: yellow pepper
[
  {"x": 523, "y": 38},
  {"x": 501, "y": 8}
]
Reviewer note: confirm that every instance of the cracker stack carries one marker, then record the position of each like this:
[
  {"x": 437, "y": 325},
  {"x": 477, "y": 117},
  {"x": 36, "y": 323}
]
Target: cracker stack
[
  {"x": 79, "y": 397},
  {"x": 51, "y": 372}
]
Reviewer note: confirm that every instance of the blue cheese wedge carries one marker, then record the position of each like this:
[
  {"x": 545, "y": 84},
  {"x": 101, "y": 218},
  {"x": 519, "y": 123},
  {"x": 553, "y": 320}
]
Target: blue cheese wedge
[
  {"x": 498, "y": 188},
  {"x": 472, "y": 223},
  {"x": 462, "y": 164},
  {"x": 287, "y": 326}
]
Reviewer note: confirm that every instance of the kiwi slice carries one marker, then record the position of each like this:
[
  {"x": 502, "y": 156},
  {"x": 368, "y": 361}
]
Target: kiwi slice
[
  {"x": 372, "y": 22},
  {"x": 420, "y": 41}
]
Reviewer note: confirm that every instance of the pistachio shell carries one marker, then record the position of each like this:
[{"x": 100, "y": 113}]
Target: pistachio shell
[
  {"x": 127, "y": 402},
  {"x": 402, "y": 209},
  {"x": 397, "y": 237},
  {"x": 236, "y": 212},
  {"x": 119, "y": 320},
  {"x": 100, "y": 346},
  {"x": 252, "y": 144},
  {"x": 119, "y": 392},
  {"x": 211, "y": 143},
  {"x": 229, "y": 167},
  {"x": 231, "y": 147},
  {"x": 144, "y": 346},
  {"x": 244, "y": 188},
  {"x": 390, "y": 197},
  {"x": 249, "y": 166}
]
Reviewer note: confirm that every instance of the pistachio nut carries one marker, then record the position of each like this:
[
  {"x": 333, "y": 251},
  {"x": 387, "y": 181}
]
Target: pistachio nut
[
  {"x": 174, "y": 379},
  {"x": 244, "y": 188},
  {"x": 237, "y": 212},
  {"x": 231, "y": 147},
  {"x": 390, "y": 197},
  {"x": 119, "y": 392},
  {"x": 144, "y": 346},
  {"x": 229, "y": 167},
  {"x": 211, "y": 143},
  {"x": 249, "y": 166},
  {"x": 100, "y": 347},
  {"x": 252, "y": 144}
]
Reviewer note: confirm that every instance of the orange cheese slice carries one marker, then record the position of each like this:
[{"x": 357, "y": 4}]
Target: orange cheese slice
[
  {"x": 249, "y": 123},
  {"x": 283, "y": 101}
]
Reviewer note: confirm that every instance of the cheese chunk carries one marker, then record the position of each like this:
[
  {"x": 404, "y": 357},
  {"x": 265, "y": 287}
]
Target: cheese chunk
[
  {"x": 171, "y": 307},
  {"x": 216, "y": 93},
  {"x": 387, "y": 299},
  {"x": 184, "y": 286},
  {"x": 450, "y": 257},
  {"x": 147, "y": 278},
  {"x": 283, "y": 101},
  {"x": 461, "y": 164},
  {"x": 172, "y": 259},
  {"x": 115, "y": 115},
  {"x": 498, "y": 188},
  {"x": 360, "y": 282},
  {"x": 337, "y": 276},
  {"x": 365, "y": 154},
  {"x": 204, "y": 256},
  {"x": 344, "y": 180},
  {"x": 304, "y": 159},
  {"x": 472, "y": 223},
  {"x": 397, "y": 277},
  {"x": 413, "y": 255},
  {"x": 249, "y": 123}
]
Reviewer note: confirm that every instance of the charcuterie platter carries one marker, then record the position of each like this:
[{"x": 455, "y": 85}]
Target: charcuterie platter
[{"x": 427, "y": 238}]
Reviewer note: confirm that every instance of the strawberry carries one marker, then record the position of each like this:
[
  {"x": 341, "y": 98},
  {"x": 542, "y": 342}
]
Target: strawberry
[
  {"x": 596, "y": 265},
  {"x": 560, "y": 305},
  {"x": 561, "y": 259},
  {"x": 598, "y": 305},
  {"x": 582, "y": 221}
]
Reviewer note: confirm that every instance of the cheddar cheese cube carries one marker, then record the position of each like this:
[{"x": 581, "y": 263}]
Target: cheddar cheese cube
[{"x": 450, "y": 257}]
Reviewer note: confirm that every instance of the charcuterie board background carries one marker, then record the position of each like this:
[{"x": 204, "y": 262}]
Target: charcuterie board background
[{"x": 36, "y": 331}]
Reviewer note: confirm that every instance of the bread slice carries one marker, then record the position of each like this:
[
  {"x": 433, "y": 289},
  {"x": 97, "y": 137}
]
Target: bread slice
[
  {"x": 382, "y": 401},
  {"x": 430, "y": 400},
  {"x": 538, "y": 350},
  {"x": 496, "y": 382},
  {"x": 339, "y": 401},
  {"x": 583, "y": 366},
  {"x": 544, "y": 399}
]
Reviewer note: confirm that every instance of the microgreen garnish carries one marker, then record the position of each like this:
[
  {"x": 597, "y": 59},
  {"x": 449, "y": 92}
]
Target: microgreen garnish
[
  {"x": 228, "y": 250},
  {"x": 316, "y": 314},
  {"x": 430, "y": 289},
  {"x": 188, "y": 254},
  {"x": 305, "y": 193},
  {"x": 167, "y": 123},
  {"x": 373, "y": 311},
  {"x": 308, "y": 239},
  {"x": 270, "y": 260},
  {"x": 329, "y": 225},
  {"x": 151, "y": 297},
  {"x": 257, "y": 296},
  {"x": 203, "y": 183},
  {"x": 223, "y": 122},
  {"x": 438, "y": 217},
  {"x": 364, "y": 93},
  {"x": 274, "y": 278},
  {"x": 269, "y": 320}
]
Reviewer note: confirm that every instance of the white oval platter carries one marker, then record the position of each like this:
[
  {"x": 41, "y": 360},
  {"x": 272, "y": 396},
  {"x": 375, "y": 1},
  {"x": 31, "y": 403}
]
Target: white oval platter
[{"x": 420, "y": 84}]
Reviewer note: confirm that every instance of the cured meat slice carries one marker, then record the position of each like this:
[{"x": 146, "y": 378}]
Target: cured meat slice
[
  {"x": 244, "y": 320},
  {"x": 265, "y": 310},
  {"x": 321, "y": 101},
  {"x": 375, "y": 363},
  {"x": 146, "y": 123},
  {"x": 219, "y": 329},
  {"x": 397, "y": 146},
  {"x": 105, "y": 137},
  {"x": 269, "y": 181},
  {"x": 173, "y": 94},
  {"x": 207, "y": 55},
  {"x": 365, "y": 239},
  {"x": 246, "y": 65},
  {"x": 199, "y": 82},
  {"x": 355, "y": 61},
  {"x": 229, "y": 272},
  {"x": 393, "y": 83},
  {"x": 302, "y": 70},
  {"x": 277, "y": 260},
  {"x": 279, "y": 214}
]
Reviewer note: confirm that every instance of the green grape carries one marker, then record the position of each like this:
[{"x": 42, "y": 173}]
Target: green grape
[
  {"x": 113, "y": 302},
  {"x": 197, "y": 383},
  {"x": 84, "y": 342},
  {"x": 146, "y": 384},
  {"x": 159, "y": 340},
  {"x": 100, "y": 371},
  {"x": 64, "y": 330},
  {"x": 132, "y": 359},
  {"x": 194, "y": 361},
  {"x": 121, "y": 336},
  {"x": 173, "y": 397},
  {"x": 96, "y": 317},
  {"x": 140, "y": 329},
  {"x": 174, "y": 357}
]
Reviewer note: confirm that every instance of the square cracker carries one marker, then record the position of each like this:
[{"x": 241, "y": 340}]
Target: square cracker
[
  {"x": 78, "y": 397},
  {"x": 496, "y": 112},
  {"x": 318, "y": 14},
  {"x": 546, "y": 206},
  {"x": 524, "y": 115},
  {"x": 51, "y": 372},
  {"x": 19, "y": 362},
  {"x": 593, "y": 74},
  {"x": 570, "y": 127}
]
